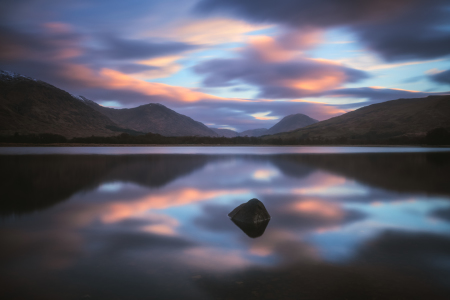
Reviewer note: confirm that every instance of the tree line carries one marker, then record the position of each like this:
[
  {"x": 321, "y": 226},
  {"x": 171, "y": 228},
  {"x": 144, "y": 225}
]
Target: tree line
[{"x": 438, "y": 136}]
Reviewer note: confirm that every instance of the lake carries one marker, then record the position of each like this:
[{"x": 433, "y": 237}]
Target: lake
[{"x": 151, "y": 223}]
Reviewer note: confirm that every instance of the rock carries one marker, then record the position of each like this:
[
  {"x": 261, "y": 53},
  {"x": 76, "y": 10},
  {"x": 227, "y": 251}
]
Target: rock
[
  {"x": 251, "y": 217},
  {"x": 251, "y": 212}
]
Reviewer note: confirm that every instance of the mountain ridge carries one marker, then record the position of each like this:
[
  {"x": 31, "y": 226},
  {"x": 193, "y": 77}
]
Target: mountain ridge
[
  {"x": 31, "y": 106},
  {"x": 389, "y": 119},
  {"x": 28, "y": 106},
  {"x": 291, "y": 122},
  {"x": 154, "y": 118}
]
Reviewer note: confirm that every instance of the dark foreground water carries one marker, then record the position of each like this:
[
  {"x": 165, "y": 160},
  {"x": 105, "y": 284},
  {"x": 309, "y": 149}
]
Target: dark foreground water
[{"x": 344, "y": 225}]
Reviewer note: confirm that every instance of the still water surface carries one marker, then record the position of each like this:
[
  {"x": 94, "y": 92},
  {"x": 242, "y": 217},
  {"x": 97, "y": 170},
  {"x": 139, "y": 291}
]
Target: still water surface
[{"x": 348, "y": 225}]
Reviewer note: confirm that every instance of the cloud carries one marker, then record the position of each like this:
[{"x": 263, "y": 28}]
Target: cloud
[
  {"x": 371, "y": 62},
  {"x": 121, "y": 210},
  {"x": 373, "y": 95},
  {"x": 319, "y": 208},
  {"x": 119, "y": 48},
  {"x": 59, "y": 44},
  {"x": 219, "y": 30},
  {"x": 397, "y": 30},
  {"x": 131, "y": 68},
  {"x": 112, "y": 85},
  {"x": 109, "y": 53},
  {"x": 245, "y": 115},
  {"x": 278, "y": 72},
  {"x": 441, "y": 77},
  {"x": 42, "y": 43},
  {"x": 124, "y": 80}
]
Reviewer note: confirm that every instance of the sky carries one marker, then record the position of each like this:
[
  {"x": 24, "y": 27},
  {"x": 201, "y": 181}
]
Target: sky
[{"x": 236, "y": 64}]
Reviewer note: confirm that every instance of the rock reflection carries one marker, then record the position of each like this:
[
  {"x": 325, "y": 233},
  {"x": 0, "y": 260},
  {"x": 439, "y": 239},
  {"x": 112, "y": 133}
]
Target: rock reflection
[
  {"x": 253, "y": 230},
  {"x": 34, "y": 182},
  {"x": 147, "y": 226}
]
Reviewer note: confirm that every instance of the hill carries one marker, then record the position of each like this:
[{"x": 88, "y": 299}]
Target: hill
[
  {"x": 154, "y": 118},
  {"x": 225, "y": 132},
  {"x": 33, "y": 106},
  {"x": 290, "y": 123},
  {"x": 254, "y": 132},
  {"x": 390, "y": 119}
]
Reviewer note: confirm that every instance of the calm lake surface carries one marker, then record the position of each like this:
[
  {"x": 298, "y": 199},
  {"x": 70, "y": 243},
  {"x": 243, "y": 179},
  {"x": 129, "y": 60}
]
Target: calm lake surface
[{"x": 151, "y": 223}]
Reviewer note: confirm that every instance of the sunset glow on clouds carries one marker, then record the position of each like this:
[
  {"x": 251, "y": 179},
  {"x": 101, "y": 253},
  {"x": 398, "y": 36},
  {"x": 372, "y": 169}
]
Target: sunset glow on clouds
[
  {"x": 121, "y": 210},
  {"x": 236, "y": 64}
]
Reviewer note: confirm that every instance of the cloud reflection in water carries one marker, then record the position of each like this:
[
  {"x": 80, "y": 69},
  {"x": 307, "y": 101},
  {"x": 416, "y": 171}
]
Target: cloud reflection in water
[{"x": 113, "y": 218}]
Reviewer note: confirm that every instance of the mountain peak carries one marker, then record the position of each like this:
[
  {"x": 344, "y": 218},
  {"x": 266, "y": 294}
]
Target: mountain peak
[
  {"x": 385, "y": 120},
  {"x": 291, "y": 122},
  {"x": 154, "y": 118},
  {"x": 33, "y": 106}
]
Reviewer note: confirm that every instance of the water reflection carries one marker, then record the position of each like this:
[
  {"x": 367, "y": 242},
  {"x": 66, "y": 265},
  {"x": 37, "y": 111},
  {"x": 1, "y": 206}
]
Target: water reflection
[
  {"x": 252, "y": 230},
  {"x": 344, "y": 226},
  {"x": 35, "y": 182}
]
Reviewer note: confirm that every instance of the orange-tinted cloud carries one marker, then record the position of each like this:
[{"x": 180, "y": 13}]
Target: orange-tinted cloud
[
  {"x": 115, "y": 80},
  {"x": 285, "y": 47},
  {"x": 264, "y": 116},
  {"x": 164, "y": 225},
  {"x": 321, "y": 111},
  {"x": 219, "y": 30},
  {"x": 49, "y": 42},
  {"x": 117, "y": 211},
  {"x": 323, "y": 209},
  {"x": 278, "y": 70},
  {"x": 265, "y": 174},
  {"x": 267, "y": 49},
  {"x": 119, "y": 81},
  {"x": 57, "y": 27}
]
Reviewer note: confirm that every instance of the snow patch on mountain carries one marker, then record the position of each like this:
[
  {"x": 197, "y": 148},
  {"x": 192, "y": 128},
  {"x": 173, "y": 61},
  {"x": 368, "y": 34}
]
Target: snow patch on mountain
[{"x": 9, "y": 76}]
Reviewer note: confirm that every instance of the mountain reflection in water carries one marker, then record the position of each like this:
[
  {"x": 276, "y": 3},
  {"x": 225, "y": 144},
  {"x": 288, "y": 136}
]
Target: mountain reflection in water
[{"x": 344, "y": 226}]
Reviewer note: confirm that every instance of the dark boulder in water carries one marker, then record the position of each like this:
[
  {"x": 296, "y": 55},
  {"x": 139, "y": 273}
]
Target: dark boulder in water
[
  {"x": 251, "y": 212},
  {"x": 251, "y": 217}
]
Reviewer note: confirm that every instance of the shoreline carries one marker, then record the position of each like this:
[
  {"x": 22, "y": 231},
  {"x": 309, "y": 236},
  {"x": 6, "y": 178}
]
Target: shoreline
[{"x": 4, "y": 145}]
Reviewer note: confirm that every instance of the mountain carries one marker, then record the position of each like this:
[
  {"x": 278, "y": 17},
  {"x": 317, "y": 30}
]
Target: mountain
[
  {"x": 29, "y": 106},
  {"x": 154, "y": 118},
  {"x": 254, "y": 132},
  {"x": 225, "y": 132},
  {"x": 290, "y": 123},
  {"x": 395, "y": 118}
]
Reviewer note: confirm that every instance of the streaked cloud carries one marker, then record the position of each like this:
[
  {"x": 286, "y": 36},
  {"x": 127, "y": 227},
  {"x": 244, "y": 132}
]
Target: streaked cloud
[
  {"x": 441, "y": 77},
  {"x": 209, "y": 31},
  {"x": 117, "y": 211},
  {"x": 396, "y": 30},
  {"x": 236, "y": 64},
  {"x": 277, "y": 71}
]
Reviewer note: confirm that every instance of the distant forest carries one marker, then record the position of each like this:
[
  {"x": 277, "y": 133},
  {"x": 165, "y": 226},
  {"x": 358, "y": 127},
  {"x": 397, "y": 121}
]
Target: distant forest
[{"x": 438, "y": 136}]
